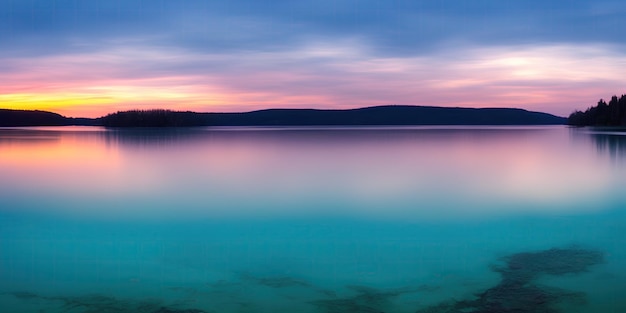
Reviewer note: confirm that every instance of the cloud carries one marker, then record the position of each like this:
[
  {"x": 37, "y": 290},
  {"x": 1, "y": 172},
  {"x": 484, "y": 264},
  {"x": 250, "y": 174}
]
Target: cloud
[
  {"x": 340, "y": 74},
  {"x": 390, "y": 27},
  {"x": 101, "y": 56}
]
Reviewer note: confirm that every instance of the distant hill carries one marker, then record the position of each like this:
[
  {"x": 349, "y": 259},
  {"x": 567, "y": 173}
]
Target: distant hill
[
  {"x": 603, "y": 114},
  {"x": 379, "y": 115},
  {"x": 16, "y": 118},
  {"x": 31, "y": 118}
]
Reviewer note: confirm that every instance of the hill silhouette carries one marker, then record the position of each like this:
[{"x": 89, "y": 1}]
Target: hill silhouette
[
  {"x": 19, "y": 118},
  {"x": 31, "y": 118},
  {"x": 379, "y": 115}
]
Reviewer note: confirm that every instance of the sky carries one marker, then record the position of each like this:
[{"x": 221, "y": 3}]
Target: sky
[{"x": 88, "y": 58}]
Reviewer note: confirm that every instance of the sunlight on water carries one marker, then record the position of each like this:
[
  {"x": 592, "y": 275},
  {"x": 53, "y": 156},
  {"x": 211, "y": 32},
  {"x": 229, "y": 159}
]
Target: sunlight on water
[{"x": 409, "y": 219}]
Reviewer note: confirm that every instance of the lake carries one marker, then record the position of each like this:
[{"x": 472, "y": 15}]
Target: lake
[{"x": 317, "y": 219}]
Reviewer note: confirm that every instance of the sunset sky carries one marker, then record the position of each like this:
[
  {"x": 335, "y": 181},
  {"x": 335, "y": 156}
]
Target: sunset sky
[{"x": 91, "y": 57}]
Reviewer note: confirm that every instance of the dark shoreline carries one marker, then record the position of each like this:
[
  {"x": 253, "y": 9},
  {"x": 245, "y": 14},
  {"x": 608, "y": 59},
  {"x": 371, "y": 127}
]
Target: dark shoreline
[{"x": 394, "y": 115}]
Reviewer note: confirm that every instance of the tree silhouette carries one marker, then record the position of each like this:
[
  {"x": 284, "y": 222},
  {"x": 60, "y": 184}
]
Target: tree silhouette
[
  {"x": 153, "y": 118},
  {"x": 603, "y": 114}
]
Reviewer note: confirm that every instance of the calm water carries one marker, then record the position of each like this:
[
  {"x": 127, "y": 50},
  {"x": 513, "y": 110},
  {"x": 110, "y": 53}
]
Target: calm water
[{"x": 417, "y": 219}]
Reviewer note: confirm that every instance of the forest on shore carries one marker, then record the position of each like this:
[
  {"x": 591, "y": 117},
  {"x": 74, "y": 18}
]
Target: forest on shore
[{"x": 603, "y": 114}]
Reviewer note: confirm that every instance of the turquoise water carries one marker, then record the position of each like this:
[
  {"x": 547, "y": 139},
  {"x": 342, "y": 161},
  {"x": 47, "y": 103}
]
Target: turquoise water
[{"x": 402, "y": 219}]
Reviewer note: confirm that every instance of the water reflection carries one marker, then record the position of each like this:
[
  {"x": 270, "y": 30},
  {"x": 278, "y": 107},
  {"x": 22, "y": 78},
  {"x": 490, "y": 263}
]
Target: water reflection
[
  {"x": 406, "y": 172},
  {"x": 307, "y": 135},
  {"x": 310, "y": 220},
  {"x": 611, "y": 144}
]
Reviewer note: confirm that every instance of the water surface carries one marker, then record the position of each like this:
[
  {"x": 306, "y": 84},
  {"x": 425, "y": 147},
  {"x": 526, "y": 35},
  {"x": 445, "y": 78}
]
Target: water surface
[{"x": 378, "y": 219}]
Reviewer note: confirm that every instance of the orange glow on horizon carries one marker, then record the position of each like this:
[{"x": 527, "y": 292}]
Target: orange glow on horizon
[
  {"x": 86, "y": 162},
  {"x": 554, "y": 79},
  {"x": 101, "y": 100}
]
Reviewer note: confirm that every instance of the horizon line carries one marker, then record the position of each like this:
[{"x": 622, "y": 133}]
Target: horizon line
[{"x": 287, "y": 109}]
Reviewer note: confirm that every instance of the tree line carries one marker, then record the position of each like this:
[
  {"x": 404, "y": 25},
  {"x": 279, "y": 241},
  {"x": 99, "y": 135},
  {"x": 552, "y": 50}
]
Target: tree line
[
  {"x": 603, "y": 114},
  {"x": 153, "y": 118}
]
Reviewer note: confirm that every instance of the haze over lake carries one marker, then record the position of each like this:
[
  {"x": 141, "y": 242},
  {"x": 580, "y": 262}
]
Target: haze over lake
[{"x": 307, "y": 219}]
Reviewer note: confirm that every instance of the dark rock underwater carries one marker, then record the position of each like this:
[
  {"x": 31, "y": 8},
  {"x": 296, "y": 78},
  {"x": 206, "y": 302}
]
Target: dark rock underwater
[{"x": 516, "y": 292}]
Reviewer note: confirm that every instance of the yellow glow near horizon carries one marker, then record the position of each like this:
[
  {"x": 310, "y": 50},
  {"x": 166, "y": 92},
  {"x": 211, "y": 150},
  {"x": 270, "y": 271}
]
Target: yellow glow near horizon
[
  {"x": 338, "y": 75},
  {"x": 101, "y": 100},
  {"x": 36, "y": 101}
]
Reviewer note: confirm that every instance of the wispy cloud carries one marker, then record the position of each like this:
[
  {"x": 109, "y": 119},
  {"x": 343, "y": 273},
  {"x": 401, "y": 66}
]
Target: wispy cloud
[{"x": 93, "y": 57}]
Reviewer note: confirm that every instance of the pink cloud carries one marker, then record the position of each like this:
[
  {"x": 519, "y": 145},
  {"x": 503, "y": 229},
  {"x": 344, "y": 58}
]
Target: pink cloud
[{"x": 555, "y": 79}]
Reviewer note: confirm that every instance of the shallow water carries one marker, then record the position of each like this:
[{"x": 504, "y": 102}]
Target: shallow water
[{"x": 409, "y": 219}]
